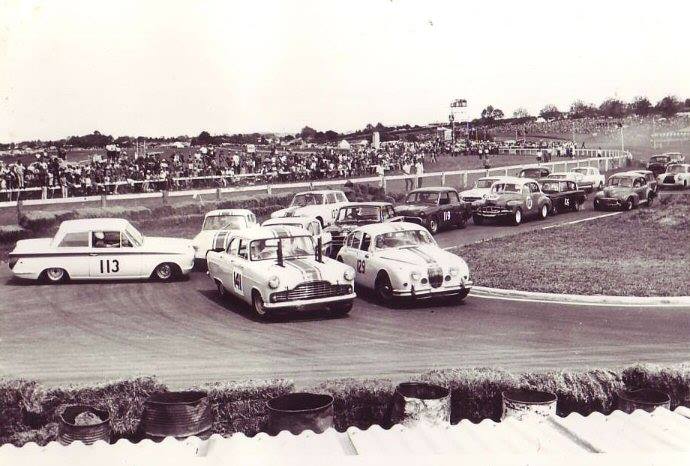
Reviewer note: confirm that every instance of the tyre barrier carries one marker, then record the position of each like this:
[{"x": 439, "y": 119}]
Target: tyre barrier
[
  {"x": 93, "y": 425},
  {"x": 420, "y": 403},
  {"x": 177, "y": 414},
  {"x": 644, "y": 399},
  {"x": 296, "y": 412},
  {"x": 519, "y": 404}
]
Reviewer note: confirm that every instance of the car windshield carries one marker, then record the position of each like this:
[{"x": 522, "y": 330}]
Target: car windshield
[
  {"x": 136, "y": 238},
  {"x": 621, "y": 181},
  {"x": 550, "y": 187},
  {"x": 660, "y": 159},
  {"x": 224, "y": 222},
  {"x": 485, "y": 183},
  {"x": 401, "y": 239},
  {"x": 300, "y": 200},
  {"x": 499, "y": 188},
  {"x": 530, "y": 173},
  {"x": 422, "y": 197},
  {"x": 675, "y": 169},
  {"x": 292, "y": 246},
  {"x": 357, "y": 214}
]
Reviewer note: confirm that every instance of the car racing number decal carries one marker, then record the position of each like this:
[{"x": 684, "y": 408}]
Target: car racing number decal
[
  {"x": 110, "y": 265},
  {"x": 446, "y": 216},
  {"x": 361, "y": 266},
  {"x": 237, "y": 280},
  {"x": 566, "y": 201},
  {"x": 529, "y": 202}
]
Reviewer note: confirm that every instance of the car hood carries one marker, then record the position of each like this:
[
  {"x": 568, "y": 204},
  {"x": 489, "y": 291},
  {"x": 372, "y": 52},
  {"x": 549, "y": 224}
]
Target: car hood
[
  {"x": 411, "y": 208},
  {"x": 616, "y": 192},
  {"x": 306, "y": 269},
  {"x": 501, "y": 199},
  {"x": 423, "y": 257},
  {"x": 475, "y": 192},
  {"x": 296, "y": 211}
]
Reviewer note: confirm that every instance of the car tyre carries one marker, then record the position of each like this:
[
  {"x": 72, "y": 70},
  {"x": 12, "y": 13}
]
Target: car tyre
[
  {"x": 164, "y": 272},
  {"x": 258, "y": 307},
  {"x": 543, "y": 212},
  {"x": 55, "y": 275},
  {"x": 462, "y": 295},
  {"x": 433, "y": 226},
  {"x": 650, "y": 200},
  {"x": 384, "y": 289},
  {"x": 222, "y": 292},
  {"x": 629, "y": 204},
  {"x": 477, "y": 219},
  {"x": 577, "y": 206},
  {"x": 517, "y": 217},
  {"x": 462, "y": 223}
]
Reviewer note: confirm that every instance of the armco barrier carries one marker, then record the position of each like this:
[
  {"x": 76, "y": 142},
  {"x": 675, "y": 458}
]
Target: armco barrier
[{"x": 460, "y": 178}]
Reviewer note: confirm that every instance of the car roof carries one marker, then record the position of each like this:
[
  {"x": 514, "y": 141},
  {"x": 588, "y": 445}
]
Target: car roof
[
  {"x": 386, "y": 227},
  {"x": 90, "y": 224},
  {"x": 223, "y": 212},
  {"x": 433, "y": 189},
  {"x": 320, "y": 191},
  {"x": 516, "y": 179},
  {"x": 275, "y": 231},
  {"x": 641, "y": 172},
  {"x": 366, "y": 204},
  {"x": 297, "y": 220},
  {"x": 629, "y": 174}
]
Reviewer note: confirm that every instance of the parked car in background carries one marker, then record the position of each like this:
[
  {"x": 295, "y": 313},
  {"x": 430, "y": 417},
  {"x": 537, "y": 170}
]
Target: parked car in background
[
  {"x": 535, "y": 173},
  {"x": 564, "y": 194},
  {"x": 677, "y": 175},
  {"x": 322, "y": 205},
  {"x": 625, "y": 191},
  {"x": 357, "y": 214},
  {"x": 281, "y": 268},
  {"x": 435, "y": 208},
  {"x": 482, "y": 187},
  {"x": 101, "y": 249},
  {"x": 515, "y": 199},
  {"x": 401, "y": 259},
  {"x": 311, "y": 224},
  {"x": 657, "y": 163},
  {"x": 217, "y": 228},
  {"x": 591, "y": 178}
]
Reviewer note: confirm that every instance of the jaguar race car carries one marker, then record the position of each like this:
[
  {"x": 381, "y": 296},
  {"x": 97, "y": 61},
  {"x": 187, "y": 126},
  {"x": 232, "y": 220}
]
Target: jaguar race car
[
  {"x": 101, "y": 249},
  {"x": 677, "y": 175},
  {"x": 435, "y": 208},
  {"x": 281, "y": 268},
  {"x": 624, "y": 191},
  {"x": 402, "y": 259},
  {"x": 322, "y": 205},
  {"x": 217, "y": 227},
  {"x": 515, "y": 199},
  {"x": 564, "y": 195},
  {"x": 355, "y": 215},
  {"x": 311, "y": 224}
]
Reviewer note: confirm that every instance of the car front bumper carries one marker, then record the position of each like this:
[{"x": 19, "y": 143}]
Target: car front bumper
[
  {"x": 430, "y": 292},
  {"x": 671, "y": 184},
  {"x": 311, "y": 304},
  {"x": 491, "y": 212},
  {"x": 609, "y": 202}
]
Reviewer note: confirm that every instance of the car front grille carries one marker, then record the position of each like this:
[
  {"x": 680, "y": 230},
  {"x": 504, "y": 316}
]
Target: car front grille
[
  {"x": 435, "y": 277},
  {"x": 669, "y": 179},
  {"x": 491, "y": 209},
  {"x": 470, "y": 198},
  {"x": 311, "y": 290}
]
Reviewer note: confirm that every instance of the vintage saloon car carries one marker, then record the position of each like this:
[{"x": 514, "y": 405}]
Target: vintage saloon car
[
  {"x": 564, "y": 195},
  {"x": 649, "y": 176},
  {"x": 281, "y": 268},
  {"x": 322, "y": 205},
  {"x": 435, "y": 208},
  {"x": 311, "y": 224},
  {"x": 515, "y": 199},
  {"x": 677, "y": 175},
  {"x": 481, "y": 189},
  {"x": 591, "y": 178},
  {"x": 625, "y": 191},
  {"x": 356, "y": 214},
  {"x": 101, "y": 249},
  {"x": 217, "y": 227},
  {"x": 401, "y": 259},
  {"x": 657, "y": 163},
  {"x": 535, "y": 173}
]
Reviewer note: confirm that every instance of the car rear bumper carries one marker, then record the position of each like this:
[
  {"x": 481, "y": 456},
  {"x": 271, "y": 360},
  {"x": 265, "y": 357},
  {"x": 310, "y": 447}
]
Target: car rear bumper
[{"x": 311, "y": 304}]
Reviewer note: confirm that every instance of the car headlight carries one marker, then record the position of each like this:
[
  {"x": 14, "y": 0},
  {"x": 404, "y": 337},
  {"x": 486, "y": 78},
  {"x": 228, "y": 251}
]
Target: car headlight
[
  {"x": 274, "y": 282},
  {"x": 349, "y": 275},
  {"x": 422, "y": 214},
  {"x": 415, "y": 275}
]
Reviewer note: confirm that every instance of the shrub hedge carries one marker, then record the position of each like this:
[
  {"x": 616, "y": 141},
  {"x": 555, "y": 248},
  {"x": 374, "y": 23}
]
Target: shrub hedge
[
  {"x": 27, "y": 409},
  {"x": 13, "y": 233}
]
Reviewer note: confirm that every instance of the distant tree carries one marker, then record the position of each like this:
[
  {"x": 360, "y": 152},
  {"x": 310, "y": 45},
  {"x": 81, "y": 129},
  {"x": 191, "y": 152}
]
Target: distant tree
[
  {"x": 308, "y": 132},
  {"x": 331, "y": 135},
  {"x": 203, "y": 139},
  {"x": 549, "y": 112},
  {"x": 490, "y": 114},
  {"x": 641, "y": 106},
  {"x": 613, "y": 108},
  {"x": 521, "y": 113},
  {"x": 668, "y": 106},
  {"x": 687, "y": 103},
  {"x": 579, "y": 109}
]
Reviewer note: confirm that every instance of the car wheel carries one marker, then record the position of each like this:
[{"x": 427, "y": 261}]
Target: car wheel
[
  {"x": 54, "y": 275},
  {"x": 629, "y": 204},
  {"x": 462, "y": 223},
  {"x": 650, "y": 200},
  {"x": 384, "y": 289},
  {"x": 222, "y": 292},
  {"x": 462, "y": 295},
  {"x": 258, "y": 306},
  {"x": 577, "y": 206},
  {"x": 597, "y": 206},
  {"x": 164, "y": 272},
  {"x": 544, "y": 212},
  {"x": 477, "y": 219},
  {"x": 343, "y": 309},
  {"x": 517, "y": 216},
  {"x": 433, "y": 226},
  {"x": 601, "y": 186}
]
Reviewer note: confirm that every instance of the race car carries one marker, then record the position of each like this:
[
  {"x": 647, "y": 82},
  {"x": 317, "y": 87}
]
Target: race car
[
  {"x": 322, "y": 205},
  {"x": 534, "y": 172},
  {"x": 402, "y": 259},
  {"x": 280, "y": 269},
  {"x": 591, "y": 178},
  {"x": 435, "y": 208},
  {"x": 574, "y": 176},
  {"x": 624, "y": 191},
  {"x": 481, "y": 189},
  {"x": 657, "y": 163},
  {"x": 564, "y": 194},
  {"x": 649, "y": 176},
  {"x": 217, "y": 227},
  {"x": 515, "y": 199},
  {"x": 356, "y": 214},
  {"x": 100, "y": 249},
  {"x": 311, "y": 224},
  {"x": 677, "y": 175}
]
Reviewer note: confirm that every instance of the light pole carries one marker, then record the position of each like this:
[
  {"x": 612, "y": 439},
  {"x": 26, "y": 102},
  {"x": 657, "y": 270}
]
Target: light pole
[{"x": 620, "y": 125}]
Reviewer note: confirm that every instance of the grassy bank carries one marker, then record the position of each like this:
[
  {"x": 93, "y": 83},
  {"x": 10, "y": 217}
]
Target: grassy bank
[
  {"x": 642, "y": 253},
  {"x": 27, "y": 409}
]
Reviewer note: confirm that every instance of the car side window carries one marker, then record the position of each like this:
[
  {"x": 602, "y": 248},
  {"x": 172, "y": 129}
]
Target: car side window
[
  {"x": 232, "y": 247},
  {"x": 105, "y": 239},
  {"x": 340, "y": 197},
  {"x": 242, "y": 249},
  {"x": 330, "y": 198},
  {"x": 366, "y": 242},
  {"x": 443, "y": 199},
  {"x": 391, "y": 212},
  {"x": 533, "y": 187},
  {"x": 348, "y": 240},
  {"x": 356, "y": 239},
  {"x": 526, "y": 190},
  {"x": 454, "y": 198},
  {"x": 75, "y": 240}
]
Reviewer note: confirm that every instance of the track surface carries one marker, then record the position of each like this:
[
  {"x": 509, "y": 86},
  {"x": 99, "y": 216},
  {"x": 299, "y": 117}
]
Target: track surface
[{"x": 183, "y": 333}]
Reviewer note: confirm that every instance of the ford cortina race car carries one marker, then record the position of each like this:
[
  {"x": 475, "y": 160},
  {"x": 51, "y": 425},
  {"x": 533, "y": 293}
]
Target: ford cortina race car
[
  {"x": 280, "y": 268},
  {"x": 322, "y": 205},
  {"x": 677, "y": 175},
  {"x": 311, "y": 224},
  {"x": 101, "y": 249},
  {"x": 401, "y": 259},
  {"x": 435, "y": 208},
  {"x": 515, "y": 199},
  {"x": 624, "y": 191},
  {"x": 217, "y": 227},
  {"x": 590, "y": 179},
  {"x": 357, "y": 214}
]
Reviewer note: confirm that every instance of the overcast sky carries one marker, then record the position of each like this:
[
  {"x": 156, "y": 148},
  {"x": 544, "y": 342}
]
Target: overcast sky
[{"x": 179, "y": 67}]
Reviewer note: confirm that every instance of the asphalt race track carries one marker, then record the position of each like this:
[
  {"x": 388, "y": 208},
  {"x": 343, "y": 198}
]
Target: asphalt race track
[{"x": 182, "y": 333}]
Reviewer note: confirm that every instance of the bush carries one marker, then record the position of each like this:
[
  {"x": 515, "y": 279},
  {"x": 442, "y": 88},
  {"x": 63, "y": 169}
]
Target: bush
[
  {"x": 39, "y": 221},
  {"x": 674, "y": 380},
  {"x": 13, "y": 233}
]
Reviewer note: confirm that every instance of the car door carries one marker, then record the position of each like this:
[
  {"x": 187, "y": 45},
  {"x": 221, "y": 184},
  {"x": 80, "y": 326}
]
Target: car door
[
  {"x": 364, "y": 268},
  {"x": 108, "y": 259},
  {"x": 535, "y": 196},
  {"x": 75, "y": 248},
  {"x": 445, "y": 216},
  {"x": 457, "y": 208},
  {"x": 224, "y": 265},
  {"x": 240, "y": 269}
]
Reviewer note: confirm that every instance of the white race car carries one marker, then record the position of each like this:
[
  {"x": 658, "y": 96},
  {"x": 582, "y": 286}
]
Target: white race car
[
  {"x": 322, "y": 205},
  {"x": 280, "y": 268},
  {"x": 101, "y": 249},
  {"x": 481, "y": 189},
  {"x": 402, "y": 260},
  {"x": 217, "y": 227},
  {"x": 311, "y": 224},
  {"x": 591, "y": 178},
  {"x": 677, "y": 175}
]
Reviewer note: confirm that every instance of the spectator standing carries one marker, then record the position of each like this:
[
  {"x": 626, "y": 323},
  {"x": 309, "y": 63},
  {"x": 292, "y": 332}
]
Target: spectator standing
[{"x": 419, "y": 168}]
